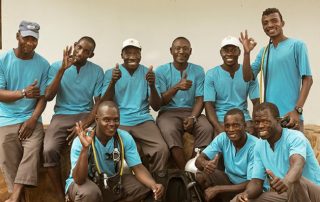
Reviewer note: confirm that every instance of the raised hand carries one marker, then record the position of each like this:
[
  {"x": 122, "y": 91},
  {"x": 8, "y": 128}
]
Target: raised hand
[
  {"x": 85, "y": 139},
  {"x": 150, "y": 76},
  {"x": 32, "y": 91},
  {"x": 248, "y": 43},
  {"x": 184, "y": 84},
  {"x": 279, "y": 185},
  {"x": 68, "y": 58},
  {"x": 212, "y": 165},
  {"x": 116, "y": 73}
]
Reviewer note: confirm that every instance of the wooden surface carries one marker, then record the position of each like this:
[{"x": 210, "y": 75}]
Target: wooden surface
[{"x": 45, "y": 193}]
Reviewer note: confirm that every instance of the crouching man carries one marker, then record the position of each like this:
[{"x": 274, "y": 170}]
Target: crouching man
[
  {"x": 236, "y": 147},
  {"x": 286, "y": 157},
  {"x": 97, "y": 163}
]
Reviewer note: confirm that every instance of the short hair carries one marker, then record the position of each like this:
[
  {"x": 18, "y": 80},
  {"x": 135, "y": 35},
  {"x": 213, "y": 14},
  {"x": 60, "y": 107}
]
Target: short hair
[
  {"x": 90, "y": 40},
  {"x": 234, "y": 111},
  {"x": 108, "y": 104},
  {"x": 269, "y": 11},
  {"x": 180, "y": 38},
  {"x": 273, "y": 109}
]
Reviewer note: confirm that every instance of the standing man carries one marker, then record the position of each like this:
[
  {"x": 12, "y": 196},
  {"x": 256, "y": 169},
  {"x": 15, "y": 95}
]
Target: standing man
[
  {"x": 132, "y": 86},
  {"x": 286, "y": 157},
  {"x": 97, "y": 163},
  {"x": 181, "y": 88},
  {"x": 286, "y": 69},
  {"x": 77, "y": 84},
  {"x": 224, "y": 87},
  {"x": 236, "y": 147},
  {"x": 23, "y": 76}
]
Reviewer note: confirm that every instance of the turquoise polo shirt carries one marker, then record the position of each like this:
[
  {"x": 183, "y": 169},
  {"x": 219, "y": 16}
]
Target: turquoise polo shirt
[
  {"x": 15, "y": 75},
  {"x": 278, "y": 160},
  {"x": 228, "y": 92},
  {"x": 168, "y": 76},
  {"x": 131, "y": 95},
  {"x": 238, "y": 164},
  {"x": 77, "y": 90},
  {"x": 288, "y": 62},
  {"x": 131, "y": 154}
]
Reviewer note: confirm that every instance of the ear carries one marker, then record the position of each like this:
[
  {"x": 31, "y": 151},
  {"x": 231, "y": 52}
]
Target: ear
[
  {"x": 75, "y": 43},
  {"x": 171, "y": 50},
  {"x": 220, "y": 52},
  {"x": 17, "y": 35},
  {"x": 190, "y": 51},
  {"x": 91, "y": 55},
  {"x": 283, "y": 23}
]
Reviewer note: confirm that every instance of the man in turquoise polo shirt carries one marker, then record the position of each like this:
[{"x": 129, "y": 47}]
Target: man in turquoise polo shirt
[
  {"x": 97, "y": 162},
  {"x": 286, "y": 68},
  {"x": 286, "y": 157},
  {"x": 23, "y": 76},
  {"x": 224, "y": 87},
  {"x": 236, "y": 148},
  {"x": 181, "y": 86},
  {"x": 132, "y": 86},
  {"x": 76, "y": 83}
]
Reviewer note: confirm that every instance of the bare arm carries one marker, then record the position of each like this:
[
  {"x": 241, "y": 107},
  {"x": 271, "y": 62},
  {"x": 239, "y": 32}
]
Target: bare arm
[
  {"x": 29, "y": 125},
  {"x": 32, "y": 91},
  {"x": 80, "y": 171},
  {"x": 143, "y": 175},
  {"x": 212, "y": 116},
  {"x": 248, "y": 46},
  {"x": 67, "y": 61},
  {"x": 295, "y": 171},
  {"x": 254, "y": 188},
  {"x": 232, "y": 188}
]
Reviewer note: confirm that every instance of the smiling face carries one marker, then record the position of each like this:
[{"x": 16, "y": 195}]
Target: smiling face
[
  {"x": 107, "y": 121},
  {"x": 180, "y": 50},
  {"x": 272, "y": 25},
  {"x": 230, "y": 55},
  {"x": 27, "y": 44},
  {"x": 131, "y": 57},
  {"x": 234, "y": 126},
  {"x": 265, "y": 124}
]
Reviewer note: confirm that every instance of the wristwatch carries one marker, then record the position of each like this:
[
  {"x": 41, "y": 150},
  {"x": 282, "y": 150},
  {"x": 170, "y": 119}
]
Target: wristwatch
[
  {"x": 24, "y": 93},
  {"x": 299, "y": 110}
]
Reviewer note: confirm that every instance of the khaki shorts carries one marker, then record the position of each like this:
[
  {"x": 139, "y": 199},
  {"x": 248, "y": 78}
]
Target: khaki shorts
[{"x": 20, "y": 160}]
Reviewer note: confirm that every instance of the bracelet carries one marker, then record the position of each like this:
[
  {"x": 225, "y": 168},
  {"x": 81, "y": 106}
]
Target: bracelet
[{"x": 24, "y": 93}]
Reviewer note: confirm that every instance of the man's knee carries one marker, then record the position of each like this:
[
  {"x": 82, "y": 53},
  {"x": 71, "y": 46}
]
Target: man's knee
[{"x": 51, "y": 155}]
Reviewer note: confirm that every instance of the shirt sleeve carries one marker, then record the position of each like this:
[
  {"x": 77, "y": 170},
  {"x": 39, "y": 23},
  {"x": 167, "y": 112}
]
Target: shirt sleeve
[
  {"x": 199, "y": 82},
  {"x": 160, "y": 81},
  {"x": 130, "y": 151},
  {"x": 250, "y": 162},
  {"x": 209, "y": 88},
  {"x": 215, "y": 146},
  {"x": 2, "y": 77},
  {"x": 297, "y": 145},
  {"x": 99, "y": 83},
  {"x": 259, "y": 171},
  {"x": 44, "y": 79},
  {"x": 302, "y": 60},
  {"x": 256, "y": 65},
  {"x": 53, "y": 69},
  {"x": 106, "y": 81}
]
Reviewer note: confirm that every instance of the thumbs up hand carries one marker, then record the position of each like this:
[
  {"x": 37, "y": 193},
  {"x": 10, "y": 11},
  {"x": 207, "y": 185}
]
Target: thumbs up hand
[
  {"x": 184, "y": 83},
  {"x": 150, "y": 76},
  {"x": 32, "y": 91},
  {"x": 212, "y": 164},
  {"x": 116, "y": 73},
  {"x": 276, "y": 183}
]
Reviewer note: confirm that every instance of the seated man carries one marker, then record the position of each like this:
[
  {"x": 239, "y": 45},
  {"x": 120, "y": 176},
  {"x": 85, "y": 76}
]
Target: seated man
[
  {"x": 286, "y": 157},
  {"x": 181, "y": 87},
  {"x": 97, "y": 161},
  {"x": 236, "y": 147},
  {"x": 224, "y": 87},
  {"x": 77, "y": 83},
  {"x": 23, "y": 75},
  {"x": 132, "y": 86}
]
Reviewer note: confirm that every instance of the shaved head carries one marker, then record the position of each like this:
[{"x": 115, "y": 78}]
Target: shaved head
[{"x": 106, "y": 104}]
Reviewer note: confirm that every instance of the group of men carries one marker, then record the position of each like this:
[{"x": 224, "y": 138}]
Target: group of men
[{"x": 108, "y": 115}]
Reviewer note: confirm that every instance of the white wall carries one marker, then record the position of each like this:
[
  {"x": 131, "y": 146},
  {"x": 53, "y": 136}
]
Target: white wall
[{"x": 156, "y": 23}]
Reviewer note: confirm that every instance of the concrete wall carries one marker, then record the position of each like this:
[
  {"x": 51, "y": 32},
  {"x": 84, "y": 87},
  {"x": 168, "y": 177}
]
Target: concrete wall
[{"x": 156, "y": 23}]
